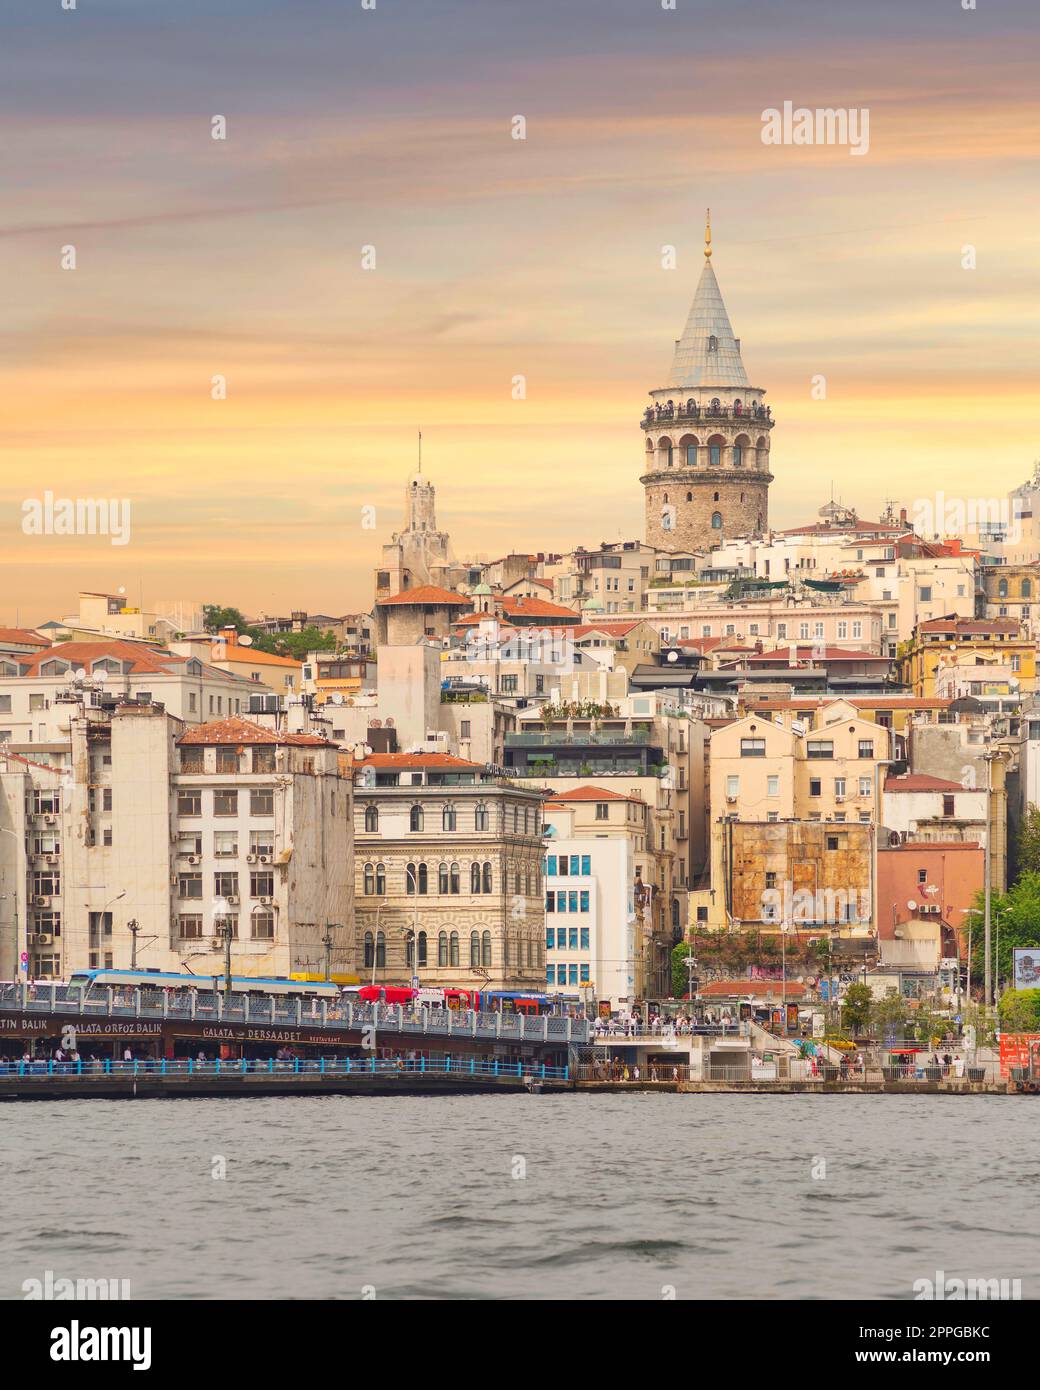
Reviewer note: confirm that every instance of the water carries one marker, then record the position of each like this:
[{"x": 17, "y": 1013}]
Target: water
[{"x": 624, "y": 1195}]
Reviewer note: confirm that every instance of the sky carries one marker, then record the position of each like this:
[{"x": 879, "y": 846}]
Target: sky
[{"x": 495, "y": 258}]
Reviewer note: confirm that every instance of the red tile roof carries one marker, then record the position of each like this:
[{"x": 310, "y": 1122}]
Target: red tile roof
[
  {"x": 729, "y": 989},
  {"x": 971, "y": 627},
  {"x": 22, "y": 637},
  {"x": 243, "y": 731},
  {"x": 143, "y": 659},
  {"x": 428, "y": 594},
  {"x": 612, "y": 629},
  {"x": 416, "y": 760},
  {"x": 922, "y": 782},
  {"x": 559, "y": 798},
  {"x": 537, "y": 608}
]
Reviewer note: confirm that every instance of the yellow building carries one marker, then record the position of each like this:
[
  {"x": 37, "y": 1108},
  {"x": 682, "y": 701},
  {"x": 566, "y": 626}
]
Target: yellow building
[{"x": 953, "y": 641}]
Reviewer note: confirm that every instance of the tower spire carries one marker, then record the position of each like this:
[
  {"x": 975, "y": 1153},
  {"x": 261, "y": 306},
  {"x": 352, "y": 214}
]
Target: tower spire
[{"x": 707, "y": 237}]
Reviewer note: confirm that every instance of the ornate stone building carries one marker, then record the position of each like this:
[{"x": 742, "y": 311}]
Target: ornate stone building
[
  {"x": 448, "y": 874},
  {"x": 706, "y": 436}
]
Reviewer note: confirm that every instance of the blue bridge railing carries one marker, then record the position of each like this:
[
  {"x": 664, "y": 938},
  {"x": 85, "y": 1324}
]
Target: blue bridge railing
[{"x": 460, "y": 1067}]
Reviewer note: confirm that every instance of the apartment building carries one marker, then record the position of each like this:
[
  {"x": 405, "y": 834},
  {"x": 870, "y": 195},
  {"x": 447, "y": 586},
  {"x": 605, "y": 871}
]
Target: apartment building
[
  {"x": 142, "y": 840},
  {"x": 227, "y": 652},
  {"x": 448, "y": 881},
  {"x": 775, "y": 621},
  {"x": 953, "y": 641},
  {"x": 600, "y": 935},
  {"x": 1011, "y": 591},
  {"x": 38, "y": 691}
]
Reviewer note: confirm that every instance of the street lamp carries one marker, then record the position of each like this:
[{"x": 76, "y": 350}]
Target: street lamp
[{"x": 326, "y": 941}]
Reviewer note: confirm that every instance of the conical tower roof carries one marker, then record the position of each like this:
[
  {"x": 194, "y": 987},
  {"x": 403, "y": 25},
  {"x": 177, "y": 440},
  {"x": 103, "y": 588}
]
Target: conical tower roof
[{"x": 708, "y": 354}]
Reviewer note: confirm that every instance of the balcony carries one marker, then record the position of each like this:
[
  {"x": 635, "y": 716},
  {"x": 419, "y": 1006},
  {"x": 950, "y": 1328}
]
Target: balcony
[{"x": 583, "y": 739}]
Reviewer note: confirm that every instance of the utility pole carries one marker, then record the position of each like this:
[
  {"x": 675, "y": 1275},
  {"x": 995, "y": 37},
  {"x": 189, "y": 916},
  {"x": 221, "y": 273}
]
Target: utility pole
[
  {"x": 988, "y": 981},
  {"x": 326, "y": 941},
  {"x": 133, "y": 929}
]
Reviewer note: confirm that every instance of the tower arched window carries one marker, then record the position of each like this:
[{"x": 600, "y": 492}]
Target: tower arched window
[
  {"x": 442, "y": 878},
  {"x": 1002, "y": 588},
  {"x": 415, "y": 818},
  {"x": 381, "y": 880},
  {"x": 474, "y": 878},
  {"x": 455, "y": 878},
  {"x": 481, "y": 816},
  {"x": 714, "y": 496},
  {"x": 474, "y": 948},
  {"x": 424, "y": 879},
  {"x": 716, "y": 521},
  {"x": 369, "y": 950},
  {"x": 422, "y": 948},
  {"x": 442, "y": 948},
  {"x": 370, "y": 880},
  {"x": 485, "y": 948},
  {"x": 1027, "y": 588},
  {"x": 666, "y": 497},
  {"x": 448, "y": 817},
  {"x": 487, "y": 878},
  {"x": 381, "y": 950},
  {"x": 689, "y": 497},
  {"x": 371, "y": 819},
  {"x": 454, "y": 944}
]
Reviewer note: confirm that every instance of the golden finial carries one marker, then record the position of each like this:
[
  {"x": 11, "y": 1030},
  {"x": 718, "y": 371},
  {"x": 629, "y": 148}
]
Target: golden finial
[{"x": 707, "y": 238}]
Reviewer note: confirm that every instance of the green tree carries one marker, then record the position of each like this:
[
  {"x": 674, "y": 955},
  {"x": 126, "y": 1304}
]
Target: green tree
[
  {"x": 857, "y": 1007},
  {"x": 216, "y": 615},
  {"x": 680, "y": 973},
  {"x": 1019, "y": 1011},
  {"x": 1029, "y": 843},
  {"x": 1017, "y": 913}
]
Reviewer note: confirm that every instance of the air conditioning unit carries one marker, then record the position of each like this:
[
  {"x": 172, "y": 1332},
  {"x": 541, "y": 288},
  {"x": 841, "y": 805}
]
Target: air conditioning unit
[
  {"x": 266, "y": 902},
  {"x": 39, "y": 900},
  {"x": 265, "y": 859},
  {"x": 52, "y": 859},
  {"x": 250, "y": 858},
  {"x": 50, "y": 820},
  {"x": 731, "y": 800},
  {"x": 194, "y": 858},
  {"x": 43, "y": 938},
  {"x": 839, "y": 799},
  {"x": 232, "y": 900}
]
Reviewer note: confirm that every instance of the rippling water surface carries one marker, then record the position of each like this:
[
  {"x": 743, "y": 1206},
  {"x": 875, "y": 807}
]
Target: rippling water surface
[{"x": 622, "y": 1196}]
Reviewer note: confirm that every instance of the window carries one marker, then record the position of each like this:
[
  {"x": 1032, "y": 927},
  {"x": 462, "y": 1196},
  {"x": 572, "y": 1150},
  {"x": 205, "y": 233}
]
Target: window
[
  {"x": 261, "y": 926},
  {"x": 225, "y": 802},
  {"x": 781, "y": 629},
  {"x": 261, "y": 801},
  {"x": 481, "y": 816},
  {"x": 602, "y": 810},
  {"x": 772, "y": 786},
  {"x": 864, "y": 786},
  {"x": 424, "y": 880},
  {"x": 189, "y": 885},
  {"x": 369, "y": 880},
  {"x": 448, "y": 817},
  {"x": 454, "y": 947},
  {"x": 866, "y": 748},
  {"x": 263, "y": 760},
  {"x": 843, "y": 630},
  {"x": 815, "y": 786},
  {"x": 752, "y": 747},
  {"x": 487, "y": 878},
  {"x": 926, "y": 593},
  {"x": 832, "y": 842},
  {"x": 733, "y": 786},
  {"x": 422, "y": 948},
  {"x": 442, "y": 948},
  {"x": 227, "y": 760},
  {"x": 189, "y": 803},
  {"x": 225, "y": 844},
  {"x": 106, "y": 798},
  {"x": 716, "y": 521},
  {"x": 820, "y": 748},
  {"x": 474, "y": 878},
  {"x": 189, "y": 926},
  {"x": 949, "y": 808},
  {"x": 857, "y": 628},
  {"x": 415, "y": 818},
  {"x": 455, "y": 878},
  {"x": 508, "y": 684},
  {"x": 261, "y": 883},
  {"x": 485, "y": 948},
  {"x": 225, "y": 885},
  {"x": 371, "y": 820},
  {"x": 839, "y": 786}
]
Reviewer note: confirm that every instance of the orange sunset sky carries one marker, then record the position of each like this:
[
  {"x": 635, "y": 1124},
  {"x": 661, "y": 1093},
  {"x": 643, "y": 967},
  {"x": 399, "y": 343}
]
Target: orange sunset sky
[{"x": 494, "y": 257}]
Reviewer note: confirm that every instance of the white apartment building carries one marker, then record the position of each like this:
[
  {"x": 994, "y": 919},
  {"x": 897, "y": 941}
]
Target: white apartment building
[
  {"x": 35, "y": 698},
  {"x": 142, "y": 840}
]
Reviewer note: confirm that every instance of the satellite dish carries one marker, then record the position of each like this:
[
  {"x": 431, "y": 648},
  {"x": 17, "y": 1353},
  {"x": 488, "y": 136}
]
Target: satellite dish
[
  {"x": 912, "y": 904},
  {"x": 673, "y": 656},
  {"x": 122, "y": 588},
  {"x": 245, "y": 640}
]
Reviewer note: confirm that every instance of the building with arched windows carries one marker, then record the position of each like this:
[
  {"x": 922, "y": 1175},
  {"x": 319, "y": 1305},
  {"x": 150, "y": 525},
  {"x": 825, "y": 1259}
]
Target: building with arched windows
[
  {"x": 449, "y": 885},
  {"x": 706, "y": 436}
]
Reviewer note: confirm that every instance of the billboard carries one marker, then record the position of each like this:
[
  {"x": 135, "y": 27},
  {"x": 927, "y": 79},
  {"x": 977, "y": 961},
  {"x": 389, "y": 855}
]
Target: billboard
[{"x": 1027, "y": 967}]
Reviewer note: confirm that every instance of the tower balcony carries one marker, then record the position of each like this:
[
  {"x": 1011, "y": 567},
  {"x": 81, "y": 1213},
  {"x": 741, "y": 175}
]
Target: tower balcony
[{"x": 760, "y": 415}]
